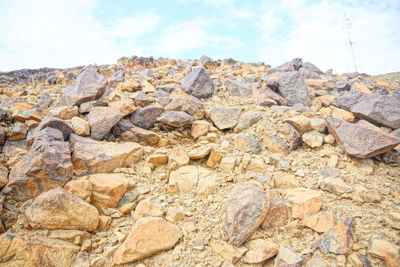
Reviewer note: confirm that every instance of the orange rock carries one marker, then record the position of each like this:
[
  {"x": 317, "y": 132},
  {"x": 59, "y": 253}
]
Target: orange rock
[
  {"x": 320, "y": 222},
  {"x": 304, "y": 202}
]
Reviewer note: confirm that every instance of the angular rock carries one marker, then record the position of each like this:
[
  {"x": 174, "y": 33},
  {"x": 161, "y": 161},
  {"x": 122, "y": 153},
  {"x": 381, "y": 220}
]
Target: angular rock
[
  {"x": 343, "y": 114},
  {"x": 2, "y": 136},
  {"x": 81, "y": 127},
  {"x": 274, "y": 96},
  {"x": 108, "y": 189},
  {"x": 260, "y": 250},
  {"x": 339, "y": 240},
  {"x": 313, "y": 139},
  {"x": 148, "y": 237},
  {"x": 185, "y": 179},
  {"x": 301, "y": 123},
  {"x": 3, "y": 176},
  {"x": 198, "y": 83},
  {"x": 237, "y": 88},
  {"x": 274, "y": 144},
  {"x": 102, "y": 119},
  {"x": 246, "y": 208},
  {"x": 292, "y": 137},
  {"x": 19, "y": 132},
  {"x": 149, "y": 137},
  {"x": 360, "y": 141},
  {"x": 200, "y": 152},
  {"x": 186, "y": 103},
  {"x": 304, "y": 202},
  {"x": 89, "y": 85},
  {"x": 320, "y": 222},
  {"x": 294, "y": 64},
  {"x": 385, "y": 250},
  {"x": 247, "y": 143},
  {"x": 64, "y": 112},
  {"x": 59, "y": 209},
  {"x": 176, "y": 119},
  {"x": 56, "y": 123},
  {"x": 146, "y": 208},
  {"x": 293, "y": 87},
  {"x": 46, "y": 166},
  {"x": 146, "y": 117},
  {"x": 288, "y": 257},
  {"x": 90, "y": 156},
  {"x": 224, "y": 117},
  {"x": 178, "y": 157},
  {"x": 335, "y": 186},
  {"x": 199, "y": 128},
  {"x": 247, "y": 119},
  {"x": 278, "y": 215},
  {"x": 80, "y": 188}
]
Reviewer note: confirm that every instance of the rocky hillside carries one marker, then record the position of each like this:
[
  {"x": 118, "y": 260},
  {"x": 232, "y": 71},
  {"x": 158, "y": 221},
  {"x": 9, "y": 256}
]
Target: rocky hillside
[{"x": 198, "y": 163}]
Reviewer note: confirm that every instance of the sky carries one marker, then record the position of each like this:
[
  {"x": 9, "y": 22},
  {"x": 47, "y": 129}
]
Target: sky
[{"x": 67, "y": 33}]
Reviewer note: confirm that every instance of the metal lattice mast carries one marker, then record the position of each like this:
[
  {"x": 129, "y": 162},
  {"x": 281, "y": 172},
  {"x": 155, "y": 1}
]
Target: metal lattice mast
[{"x": 348, "y": 26}]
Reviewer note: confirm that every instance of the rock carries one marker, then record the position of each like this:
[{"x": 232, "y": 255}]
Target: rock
[
  {"x": 80, "y": 126},
  {"x": 318, "y": 124},
  {"x": 148, "y": 237},
  {"x": 237, "y": 88},
  {"x": 347, "y": 101},
  {"x": 2, "y": 136},
  {"x": 247, "y": 143},
  {"x": 147, "y": 208},
  {"x": 293, "y": 87},
  {"x": 80, "y": 188},
  {"x": 90, "y": 85},
  {"x": 288, "y": 257},
  {"x": 47, "y": 165},
  {"x": 359, "y": 141},
  {"x": 385, "y": 250},
  {"x": 149, "y": 137},
  {"x": 292, "y": 137},
  {"x": 228, "y": 252},
  {"x": 335, "y": 186},
  {"x": 278, "y": 215},
  {"x": 247, "y": 119},
  {"x": 394, "y": 220},
  {"x": 56, "y": 123},
  {"x": 64, "y": 112},
  {"x": 158, "y": 158},
  {"x": 108, "y": 189},
  {"x": 274, "y": 96},
  {"x": 179, "y": 157},
  {"x": 264, "y": 101},
  {"x": 176, "y": 119},
  {"x": 320, "y": 222},
  {"x": 214, "y": 158},
  {"x": 23, "y": 115},
  {"x": 225, "y": 118},
  {"x": 260, "y": 250},
  {"x": 59, "y": 209},
  {"x": 285, "y": 181},
  {"x": 343, "y": 115},
  {"x": 199, "y": 128},
  {"x": 198, "y": 83},
  {"x": 186, "y": 103},
  {"x": 146, "y": 117},
  {"x": 185, "y": 179},
  {"x": 199, "y": 153},
  {"x": 301, "y": 123},
  {"x": 313, "y": 139},
  {"x": 274, "y": 144},
  {"x": 246, "y": 208},
  {"x": 102, "y": 119},
  {"x": 141, "y": 99},
  {"x": 227, "y": 163},
  {"x": 304, "y": 202},
  {"x": 30, "y": 249},
  {"x": 174, "y": 215},
  {"x": 3, "y": 176},
  {"x": 19, "y": 132},
  {"x": 90, "y": 156},
  {"x": 339, "y": 240},
  {"x": 317, "y": 261},
  {"x": 294, "y": 64},
  {"x": 206, "y": 186}
]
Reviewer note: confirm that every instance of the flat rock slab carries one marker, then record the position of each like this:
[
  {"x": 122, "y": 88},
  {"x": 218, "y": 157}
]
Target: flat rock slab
[
  {"x": 149, "y": 236},
  {"x": 360, "y": 141},
  {"x": 246, "y": 208}
]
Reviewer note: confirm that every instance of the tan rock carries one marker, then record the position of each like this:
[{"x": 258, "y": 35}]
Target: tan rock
[
  {"x": 385, "y": 250},
  {"x": 301, "y": 123},
  {"x": 313, "y": 139},
  {"x": 304, "y": 202},
  {"x": 260, "y": 250},
  {"x": 199, "y": 128},
  {"x": 147, "y": 208},
  {"x": 343, "y": 114},
  {"x": 149, "y": 137},
  {"x": 90, "y": 156},
  {"x": 227, "y": 251},
  {"x": 80, "y": 188},
  {"x": 278, "y": 215},
  {"x": 320, "y": 222},
  {"x": 335, "y": 186},
  {"x": 174, "y": 215},
  {"x": 80, "y": 126},
  {"x": 227, "y": 163},
  {"x": 59, "y": 209},
  {"x": 288, "y": 257},
  {"x": 285, "y": 181},
  {"x": 179, "y": 157},
  {"x": 108, "y": 189},
  {"x": 206, "y": 186},
  {"x": 246, "y": 208},
  {"x": 247, "y": 143},
  {"x": 158, "y": 158},
  {"x": 199, "y": 153},
  {"x": 148, "y": 237},
  {"x": 394, "y": 220},
  {"x": 275, "y": 144},
  {"x": 126, "y": 106},
  {"x": 185, "y": 179},
  {"x": 102, "y": 119},
  {"x": 64, "y": 112},
  {"x": 214, "y": 158},
  {"x": 104, "y": 223},
  {"x": 18, "y": 132},
  {"x": 225, "y": 117}
]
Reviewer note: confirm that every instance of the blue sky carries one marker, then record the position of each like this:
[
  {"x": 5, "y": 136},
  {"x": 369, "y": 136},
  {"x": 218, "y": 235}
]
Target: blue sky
[{"x": 65, "y": 33}]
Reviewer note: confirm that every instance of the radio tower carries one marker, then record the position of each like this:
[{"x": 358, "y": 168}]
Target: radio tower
[{"x": 348, "y": 26}]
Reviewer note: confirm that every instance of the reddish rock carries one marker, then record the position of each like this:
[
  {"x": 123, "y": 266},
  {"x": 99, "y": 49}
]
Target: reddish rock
[
  {"x": 19, "y": 132},
  {"x": 278, "y": 215},
  {"x": 176, "y": 119},
  {"x": 102, "y": 119},
  {"x": 360, "y": 141}
]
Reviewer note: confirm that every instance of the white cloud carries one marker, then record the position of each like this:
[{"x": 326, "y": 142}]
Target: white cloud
[{"x": 318, "y": 34}]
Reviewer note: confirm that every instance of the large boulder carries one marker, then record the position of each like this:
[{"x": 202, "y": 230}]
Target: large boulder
[
  {"x": 246, "y": 208},
  {"x": 360, "y": 141},
  {"x": 149, "y": 236},
  {"x": 294, "y": 88},
  {"x": 90, "y": 85},
  {"x": 102, "y": 119},
  {"x": 237, "y": 88},
  {"x": 90, "y": 156},
  {"x": 198, "y": 83},
  {"x": 146, "y": 117},
  {"x": 59, "y": 209},
  {"x": 47, "y": 165}
]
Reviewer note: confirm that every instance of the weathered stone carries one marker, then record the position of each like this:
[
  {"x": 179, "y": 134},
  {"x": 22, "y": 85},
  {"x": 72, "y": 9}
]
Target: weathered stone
[
  {"x": 206, "y": 186},
  {"x": 214, "y": 158},
  {"x": 247, "y": 143},
  {"x": 23, "y": 115},
  {"x": 278, "y": 215},
  {"x": 185, "y": 179},
  {"x": 343, "y": 114},
  {"x": 64, "y": 112},
  {"x": 56, "y": 123},
  {"x": 198, "y": 83},
  {"x": 285, "y": 181},
  {"x": 35, "y": 250},
  {"x": 304, "y": 202},
  {"x": 360, "y": 141},
  {"x": 108, "y": 189},
  {"x": 313, "y": 139},
  {"x": 199, "y": 128},
  {"x": 293, "y": 87},
  {"x": 147, "y": 136},
  {"x": 174, "y": 215},
  {"x": 338, "y": 240},
  {"x": 148, "y": 237},
  {"x": 301, "y": 123},
  {"x": 200, "y": 152},
  {"x": 186, "y": 103},
  {"x": 294, "y": 64},
  {"x": 335, "y": 186},
  {"x": 264, "y": 101},
  {"x": 158, "y": 158},
  {"x": 89, "y": 85},
  {"x": 146, "y": 117},
  {"x": 387, "y": 251},
  {"x": 179, "y": 157},
  {"x": 81, "y": 127},
  {"x": 317, "y": 261},
  {"x": 246, "y": 208},
  {"x": 225, "y": 118},
  {"x": 274, "y": 144},
  {"x": 237, "y": 88},
  {"x": 227, "y": 163},
  {"x": 2, "y": 136},
  {"x": 260, "y": 250},
  {"x": 3, "y": 176},
  {"x": 46, "y": 166},
  {"x": 394, "y": 220},
  {"x": 176, "y": 119},
  {"x": 102, "y": 119},
  {"x": 274, "y": 96},
  {"x": 59, "y": 209},
  {"x": 320, "y": 222},
  {"x": 90, "y": 156},
  {"x": 292, "y": 137},
  {"x": 227, "y": 251},
  {"x": 247, "y": 119},
  {"x": 318, "y": 124},
  {"x": 288, "y": 257},
  {"x": 80, "y": 188},
  {"x": 18, "y": 132},
  {"x": 147, "y": 208}
]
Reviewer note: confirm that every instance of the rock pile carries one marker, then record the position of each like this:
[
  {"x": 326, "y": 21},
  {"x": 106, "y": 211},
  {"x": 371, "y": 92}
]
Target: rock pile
[{"x": 198, "y": 163}]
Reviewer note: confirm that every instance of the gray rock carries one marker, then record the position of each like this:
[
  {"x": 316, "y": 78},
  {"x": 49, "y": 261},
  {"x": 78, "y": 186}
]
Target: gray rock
[
  {"x": 248, "y": 119},
  {"x": 176, "y": 119},
  {"x": 237, "y": 88},
  {"x": 56, "y": 123},
  {"x": 224, "y": 117},
  {"x": 102, "y": 119},
  {"x": 198, "y": 83},
  {"x": 293, "y": 87},
  {"x": 146, "y": 117}
]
